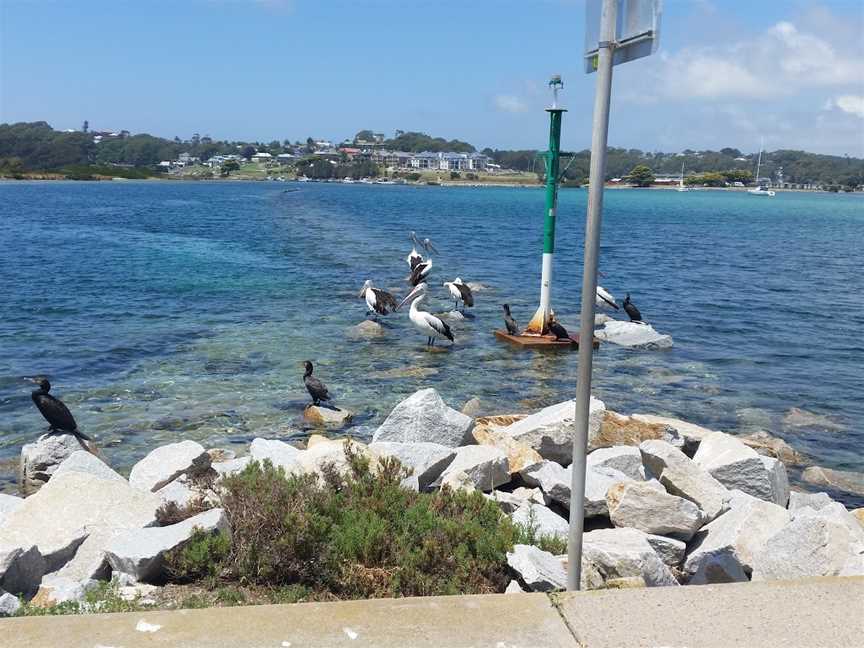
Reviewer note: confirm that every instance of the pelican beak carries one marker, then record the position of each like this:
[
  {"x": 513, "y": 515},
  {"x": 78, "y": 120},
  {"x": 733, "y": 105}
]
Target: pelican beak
[
  {"x": 431, "y": 247},
  {"x": 409, "y": 297}
]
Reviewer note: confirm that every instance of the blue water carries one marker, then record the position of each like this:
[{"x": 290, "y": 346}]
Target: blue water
[{"x": 182, "y": 310}]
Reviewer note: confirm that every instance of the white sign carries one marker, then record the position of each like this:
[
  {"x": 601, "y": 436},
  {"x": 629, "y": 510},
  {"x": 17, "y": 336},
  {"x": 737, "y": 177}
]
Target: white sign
[{"x": 637, "y": 30}]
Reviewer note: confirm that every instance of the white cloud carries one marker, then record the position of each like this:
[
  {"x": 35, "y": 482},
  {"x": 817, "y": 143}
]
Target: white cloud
[
  {"x": 510, "y": 103},
  {"x": 852, "y": 104}
]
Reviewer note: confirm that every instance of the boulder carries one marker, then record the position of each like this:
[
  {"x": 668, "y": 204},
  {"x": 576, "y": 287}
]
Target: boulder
[
  {"x": 21, "y": 569},
  {"x": 89, "y": 562},
  {"x": 542, "y": 520},
  {"x": 519, "y": 455},
  {"x": 723, "y": 551},
  {"x": 834, "y": 511},
  {"x": 166, "y": 463},
  {"x": 424, "y": 416},
  {"x": 671, "y": 551},
  {"x": 485, "y": 466},
  {"x": 807, "y": 546},
  {"x": 9, "y": 604},
  {"x": 625, "y": 459},
  {"x": 8, "y": 504},
  {"x": 771, "y": 446},
  {"x": 511, "y": 501},
  {"x": 179, "y": 491},
  {"x": 859, "y": 515},
  {"x": 623, "y": 553},
  {"x": 797, "y": 417},
  {"x": 553, "y": 479},
  {"x": 598, "y": 481},
  {"x": 458, "y": 480},
  {"x": 86, "y": 462},
  {"x": 842, "y": 480},
  {"x": 63, "y": 513},
  {"x": 426, "y": 460},
  {"x": 59, "y": 589},
  {"x": 619, "y": 430},
  {"x": 331, "y": 452},
  {"x": 329, "y": 416},
  {"x": 278, "y": 452},
  {"x": 816, "y": 501},
  {"x": 539, "y": 570},
  {"x": 690, "y": 432},
  {"x": 735, "y": 465},
  {"x": 231, "y": 467},
  {"x": 366, "y": 329},
  {"x": 41, "y": 458},
  {"x": 140, "y": 554},
  {"x": 472, "y": 407},
  {"x": 684, "y": 478},
  {"x": 550, "y": 431},
  {"x": 634, "y": 335},
  {"x": 640, "y": 506}
]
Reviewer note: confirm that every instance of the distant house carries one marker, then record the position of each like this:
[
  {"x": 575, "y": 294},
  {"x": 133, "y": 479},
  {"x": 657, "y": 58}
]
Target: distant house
[
  {"x": 285, "y": 158},
  {"x": 262, "y": 157}
]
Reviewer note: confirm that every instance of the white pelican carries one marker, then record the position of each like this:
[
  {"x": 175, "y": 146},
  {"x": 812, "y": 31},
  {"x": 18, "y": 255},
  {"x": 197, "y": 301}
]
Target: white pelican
[
  {"x": 605, "y": 299},
  {"x": 460, "y": 292},
  {"x": 419, "y": 272},
  {"x": 414, "y": 257},
  {"x": 432, "y": 326},
  {"x": 379, "y": 302}
]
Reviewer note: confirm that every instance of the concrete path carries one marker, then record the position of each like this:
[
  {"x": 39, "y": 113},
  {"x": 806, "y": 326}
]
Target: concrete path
[{"x": 816, "y": 613}]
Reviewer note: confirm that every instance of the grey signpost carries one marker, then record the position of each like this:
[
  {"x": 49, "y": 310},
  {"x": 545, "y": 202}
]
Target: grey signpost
[{"x": 628, "y": 29}]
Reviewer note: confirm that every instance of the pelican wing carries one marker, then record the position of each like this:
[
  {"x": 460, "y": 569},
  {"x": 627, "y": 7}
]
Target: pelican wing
[
  {"x": 384, "y": 301},
  {"x": 417, "y": 273},
  {"x": 440, "y": 326},
  {"x": 605, "y": 296}
]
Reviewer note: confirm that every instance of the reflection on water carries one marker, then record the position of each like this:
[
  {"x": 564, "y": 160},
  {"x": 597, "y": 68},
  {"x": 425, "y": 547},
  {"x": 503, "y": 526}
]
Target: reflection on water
[{"x": 166, "y": 311}]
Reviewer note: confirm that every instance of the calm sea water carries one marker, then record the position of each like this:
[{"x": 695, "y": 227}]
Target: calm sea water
[{"x": 164, "y": 311}]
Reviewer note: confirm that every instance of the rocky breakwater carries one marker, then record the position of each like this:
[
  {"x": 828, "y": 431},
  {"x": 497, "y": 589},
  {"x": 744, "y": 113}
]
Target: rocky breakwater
[{"x": 668, "y": 503}]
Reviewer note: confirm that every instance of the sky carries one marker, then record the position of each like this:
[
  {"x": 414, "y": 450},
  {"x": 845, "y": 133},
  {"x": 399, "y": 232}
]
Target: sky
[{"x": 727, "y": 72}]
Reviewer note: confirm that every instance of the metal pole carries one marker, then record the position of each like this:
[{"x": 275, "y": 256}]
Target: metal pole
[
  {"x": 589, "y": 288},
  {"x": 539, "y": 324}
]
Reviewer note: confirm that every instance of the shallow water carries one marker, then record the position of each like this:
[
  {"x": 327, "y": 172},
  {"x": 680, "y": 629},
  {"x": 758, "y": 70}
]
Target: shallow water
[{"x": 182, "y": 310}]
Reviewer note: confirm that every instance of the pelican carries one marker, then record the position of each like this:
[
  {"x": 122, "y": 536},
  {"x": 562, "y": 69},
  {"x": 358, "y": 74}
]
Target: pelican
[
  {"x": 432, "y": 326},
  {"x": 317, "y": 390},
  {"x": 631, "y": 310},
  {"x": 460, "y": 292},
  {"x": 605, "y": 299},
  {"x": 509, "y": 322},
  {"x": 379, "y": 302},
  {"x": 419, "y": 272},
  {"x": 559, "y": 331},
  {"x": 414, "y": 257},
  {"x": 55, "y": 412}
]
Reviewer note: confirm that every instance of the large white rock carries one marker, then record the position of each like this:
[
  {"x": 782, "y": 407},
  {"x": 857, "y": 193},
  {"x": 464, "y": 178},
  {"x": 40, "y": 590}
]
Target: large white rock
[
  {"x": 8, "y": 504},
  {"x": 41, "y": 458},
  {"x": 550, "y": 431},
  {"x": 86, "y": 462},
  {"x": 330, "y": 453},
  {"x": 278, "y": 452},
  {"x": 671, "y": 551},
  {"x": 424, "y": 416},
  {"x": 834, "y": 511},
  {"x": 21, "y": 569},
  {"x": 230, "y": 467},
  {"x": 641, "y": 506},
  {"x": 552, "y": 478},
  {"x": 539, "y": 570},
  {"x": 626, "y": 459},
  {"x": 623, "y": 553},
  {"x": 684, "y": 478},
  {"x": 9, "y": 604},
  {"x": 723, "y": 551},
  {"x": 486, "y": 466},
  {"x": 510, "y": 501},
  {"x": 816, "y": 501},
  {"x": 690, "y": 432},
  {"x": 426, "y": 460},
  {"x": 89, "y": 562},
  {"x": 736, "y": 465},
  {"x": 166, "y": 463},
  {"x": 140, "y": 554},
  {"x": 807, "y": 546},
  {"x": 56, "y": 589},
  {"x": 542, "y": 520},
  {"x": 178, "y": 492},
  {"x": 634, "y": 335},
  {"x": 60, "y": 516},
  {"x": 842, "y": 480},
  {"x": 598, "y": 481}
]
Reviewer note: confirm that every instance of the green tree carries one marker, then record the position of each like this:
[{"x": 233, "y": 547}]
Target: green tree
[
  {"x": 229, "y": 166},
  {"x": 641, "y": 176},
  {"x": 365, "y": 135}
]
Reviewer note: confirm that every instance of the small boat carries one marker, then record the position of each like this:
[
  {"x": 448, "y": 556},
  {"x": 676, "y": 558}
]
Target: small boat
[
  {"x": 759, "y": 190},
  {"x": 681, "y": 186},
  {"x": 347, "y": 181}
]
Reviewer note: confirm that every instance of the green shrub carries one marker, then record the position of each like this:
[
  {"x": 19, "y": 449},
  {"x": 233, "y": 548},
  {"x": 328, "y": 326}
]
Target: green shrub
[
  {"x": 170, "y": 513},
  {"x": 202, "y": 557}
]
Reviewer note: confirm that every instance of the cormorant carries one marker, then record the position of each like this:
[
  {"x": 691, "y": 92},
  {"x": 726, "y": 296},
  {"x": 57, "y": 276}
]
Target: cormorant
[
  {"x": 559, "y": 331},
  {"x": 55, "y": 412},
  {"x": 378, "y": 301},
  {"x": 509, "y": 322},
  {"x": 631, "y": 310},
  {"x": 432, "y": 326},
  {"x": 460, "y": 292},
  {"x": 317, "y": 390}
]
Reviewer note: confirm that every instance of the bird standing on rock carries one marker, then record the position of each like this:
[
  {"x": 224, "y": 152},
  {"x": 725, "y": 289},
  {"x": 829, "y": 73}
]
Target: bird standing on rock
[
  {"x": 460, "y": 292},
  {"x": 558, "y": 331},
  {"x": 55, "y": 412},
  {"x": 317, "y": 390},
  {"x": 509, "y": 322},
  {"x": 378, "y": 301},
  {"x": 631, "y": 310}
]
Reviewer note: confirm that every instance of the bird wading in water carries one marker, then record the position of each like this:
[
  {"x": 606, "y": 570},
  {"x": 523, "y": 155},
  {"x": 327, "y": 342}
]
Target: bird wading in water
[
  {"x": 460, "y": 292},
  {"x": 379, "y": 302},
  {"x": 427, "y": 323}
]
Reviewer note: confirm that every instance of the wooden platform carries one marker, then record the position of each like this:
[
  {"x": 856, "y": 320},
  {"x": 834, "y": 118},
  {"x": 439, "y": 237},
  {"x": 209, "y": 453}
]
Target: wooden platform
[{"x": 542, "y": 341}]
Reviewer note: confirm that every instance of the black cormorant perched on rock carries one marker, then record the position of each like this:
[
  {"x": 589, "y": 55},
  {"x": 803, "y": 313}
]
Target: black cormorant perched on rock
[
  {"x": 55, "y": 412},
  {"x": 317, "y": 390},
  {"x": 631, "y": 310},
  {"x": 509, "y": 322},
  {"x": 558, "y": 331}
]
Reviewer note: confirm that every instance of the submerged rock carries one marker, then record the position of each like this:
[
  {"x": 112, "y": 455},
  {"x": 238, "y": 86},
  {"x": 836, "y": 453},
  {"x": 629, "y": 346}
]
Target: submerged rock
[
  {"x": 424, "y": 416},
  {"x": 771, "y": 446},
  {"x": 842, "y": 480},
  {"x": 366, "y": 329},
  {"x": 633, "y": 335},
  {"x": 471, "y": 407},
  {"x": 797, "y": 417},
  {"x": 42, "y": 457}
]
